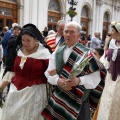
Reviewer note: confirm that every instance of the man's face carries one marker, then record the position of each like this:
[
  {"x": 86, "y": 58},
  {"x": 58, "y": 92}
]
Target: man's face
[
  {"x": 71, "y": 34},
  {"x": 60, "y": 28},
  {"x": 96, "y": 34},
  {"x": 96, "y": 54},
  {"x": 16, "y": 31}
]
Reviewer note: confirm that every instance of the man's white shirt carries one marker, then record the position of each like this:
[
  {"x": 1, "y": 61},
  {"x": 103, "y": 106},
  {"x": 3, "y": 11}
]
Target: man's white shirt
[{"x": 88, "y": 81}]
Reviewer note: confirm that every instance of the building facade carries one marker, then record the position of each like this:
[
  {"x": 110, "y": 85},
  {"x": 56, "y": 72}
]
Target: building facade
[{"x": 93, "y": 15}]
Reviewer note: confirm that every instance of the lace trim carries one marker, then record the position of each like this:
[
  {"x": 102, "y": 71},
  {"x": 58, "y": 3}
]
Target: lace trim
[{"x": 8, "y": 76}]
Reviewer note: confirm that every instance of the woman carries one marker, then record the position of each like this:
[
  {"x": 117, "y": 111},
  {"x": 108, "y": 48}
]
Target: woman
[
  {"x": 25, "y": 70},
  {"x": 110, "y": 100}
]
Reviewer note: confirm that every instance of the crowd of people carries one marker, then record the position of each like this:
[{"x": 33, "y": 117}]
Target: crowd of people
[{"x": 55, "y": 76}]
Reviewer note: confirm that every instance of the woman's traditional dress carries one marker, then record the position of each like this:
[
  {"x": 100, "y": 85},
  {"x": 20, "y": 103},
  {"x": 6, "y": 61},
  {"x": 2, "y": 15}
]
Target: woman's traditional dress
[
  {"x": 27, "y": 96},
  {"x": 110, "y": 100}
]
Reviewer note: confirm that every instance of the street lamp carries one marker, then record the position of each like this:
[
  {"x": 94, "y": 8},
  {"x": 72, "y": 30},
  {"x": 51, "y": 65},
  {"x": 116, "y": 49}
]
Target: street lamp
[{"x": 72, "y": 12}]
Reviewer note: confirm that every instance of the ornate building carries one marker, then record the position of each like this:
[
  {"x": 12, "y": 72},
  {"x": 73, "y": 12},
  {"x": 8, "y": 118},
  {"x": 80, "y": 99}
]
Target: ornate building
[{"x": 93, "y": 15}]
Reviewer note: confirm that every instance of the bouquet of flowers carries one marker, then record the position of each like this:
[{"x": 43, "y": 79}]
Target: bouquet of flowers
[{"x": 79, "y": 65}]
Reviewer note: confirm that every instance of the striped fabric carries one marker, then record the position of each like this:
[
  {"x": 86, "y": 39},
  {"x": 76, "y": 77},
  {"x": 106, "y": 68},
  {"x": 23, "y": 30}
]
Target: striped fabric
[
  {"x": 50, "y": 40},
  {"x": 95, "y": 94},
  {"x": 66, "y": 105}
]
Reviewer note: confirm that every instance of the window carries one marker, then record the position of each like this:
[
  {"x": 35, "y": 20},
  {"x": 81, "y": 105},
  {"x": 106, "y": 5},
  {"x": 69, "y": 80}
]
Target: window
[
  {"x": 106, "y": 17},
  {"x": 54, "y": 6},
  {"x": 53, "y": 14},
  {"x": 84, "y": 12},
  {"x": 6, "y": 11}
]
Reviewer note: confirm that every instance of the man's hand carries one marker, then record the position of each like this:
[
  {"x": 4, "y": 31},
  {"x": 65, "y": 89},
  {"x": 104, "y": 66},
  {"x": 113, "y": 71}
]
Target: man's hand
[
  {"x": 73, "y": 82},
  {"x": 69, "y": 83},
  {"x": 61, "y": 82},
  {"x": 52, "y": 72}
]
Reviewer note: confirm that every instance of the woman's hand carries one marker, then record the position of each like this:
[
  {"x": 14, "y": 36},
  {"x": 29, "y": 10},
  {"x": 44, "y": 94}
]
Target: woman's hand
[{"x": 52, "y": 72}]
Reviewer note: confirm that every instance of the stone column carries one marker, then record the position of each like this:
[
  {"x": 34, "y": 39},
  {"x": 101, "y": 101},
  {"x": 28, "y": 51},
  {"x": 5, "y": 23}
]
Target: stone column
[
  {"x": 42, "y": 14},
  {"x": 20, "y": 14},
  {"x": 27, "y": 11},
  {"x": 98, "y": 3},
  {"x": 94, "y": 17},
  {"x": 113, "y": 13},
  {"x": 119, "y": 15},
  {"x": 100, "y": 17},
  {"x": 34, "y": 12}
]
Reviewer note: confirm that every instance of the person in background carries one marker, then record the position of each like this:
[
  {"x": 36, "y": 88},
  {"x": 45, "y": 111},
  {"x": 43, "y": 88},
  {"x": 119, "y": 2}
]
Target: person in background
[
  {"x": 67, "y": 98},
  {"x": 98, "y": 52},
  {"x": 5, "y": 43},
  {"x": 25, "y": 71},
  {"x": 50, "y": 32},
  {"x": 45, "y": 32},
  {"x": 12, "y": 39},
  {"x": 107, "y": 41},
  {"x": 4, "y": 30},
  {"x": 1, "y": 55},
  {"x": 95, "y": 42},
  {"x": 89, "y": 38},
  {"x": 110, "y": 100},
  {"x": 12, "y": 42},
  {"x": 102, "y": 43},
  {"x": 57, "y": 39}
]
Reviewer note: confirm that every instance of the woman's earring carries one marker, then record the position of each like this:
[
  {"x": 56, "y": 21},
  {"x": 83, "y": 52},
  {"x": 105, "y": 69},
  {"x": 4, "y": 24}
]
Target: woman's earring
[{"x": 37, "y": 43}]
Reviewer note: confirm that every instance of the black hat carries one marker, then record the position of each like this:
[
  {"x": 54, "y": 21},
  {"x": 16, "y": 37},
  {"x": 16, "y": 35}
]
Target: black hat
[{"x": 34, "y": 31}]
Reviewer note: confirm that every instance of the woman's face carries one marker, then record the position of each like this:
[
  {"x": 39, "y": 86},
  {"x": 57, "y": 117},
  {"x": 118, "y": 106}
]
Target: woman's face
[
  {"x": 28, "y": 42},
  {"x": 115, "y": 34}
]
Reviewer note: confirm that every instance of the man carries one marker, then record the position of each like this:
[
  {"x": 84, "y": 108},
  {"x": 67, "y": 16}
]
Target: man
[
  {"x": 66, "y": 100},
  {"x": 12, "y": 39},
  {"x": 57, "y": 39},
  {"x": 4, "y": 30},
  {"x": 5, "y": 42},
  {"x": 95, "y": 42},
  {"x": 45, "y": 32}
]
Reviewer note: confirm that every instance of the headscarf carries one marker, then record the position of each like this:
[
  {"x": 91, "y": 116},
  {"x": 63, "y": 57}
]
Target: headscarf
[
  {"x": 32, "y": 30},
  {"x": 29, "y": 29}
]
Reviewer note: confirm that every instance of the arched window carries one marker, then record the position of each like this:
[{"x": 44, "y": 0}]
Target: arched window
[
  {"x": 54, "y": 6},
  {"x": 106, "y": 17},
  {"x": 53, "y": 14},
  {"x": 85, "y": 21},
  {"x": 84, "y": 12}
]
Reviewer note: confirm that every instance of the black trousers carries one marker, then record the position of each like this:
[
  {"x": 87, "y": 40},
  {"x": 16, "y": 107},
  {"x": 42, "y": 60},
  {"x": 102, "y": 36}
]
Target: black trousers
[{"x": 85, "y": 111}]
